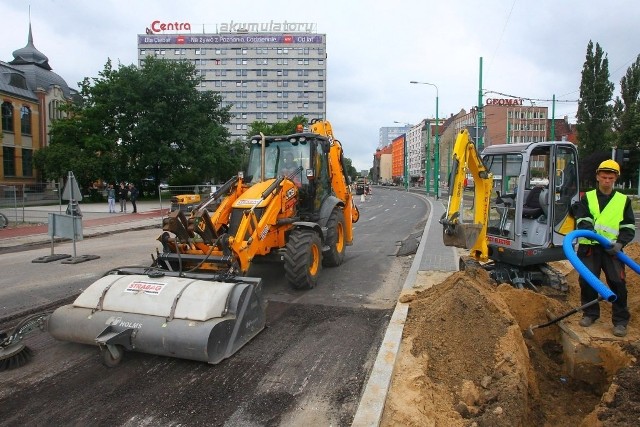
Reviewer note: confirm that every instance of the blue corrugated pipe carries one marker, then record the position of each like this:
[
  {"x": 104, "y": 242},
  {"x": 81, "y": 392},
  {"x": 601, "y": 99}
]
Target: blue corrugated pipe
[{"x": 594, "y": 282}]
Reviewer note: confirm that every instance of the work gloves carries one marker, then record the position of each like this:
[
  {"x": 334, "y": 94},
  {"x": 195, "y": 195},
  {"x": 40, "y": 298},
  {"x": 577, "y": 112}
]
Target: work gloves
[{"x": 614, "y": 249}]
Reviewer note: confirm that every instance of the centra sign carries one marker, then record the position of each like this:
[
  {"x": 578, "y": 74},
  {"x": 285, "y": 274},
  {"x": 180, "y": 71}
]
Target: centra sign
[
  {"x": 508, "y": 101},
  {"x": 159, "y": 26}
]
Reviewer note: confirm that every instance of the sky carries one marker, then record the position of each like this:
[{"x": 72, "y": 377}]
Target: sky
[{"x": 531, "y": 50}]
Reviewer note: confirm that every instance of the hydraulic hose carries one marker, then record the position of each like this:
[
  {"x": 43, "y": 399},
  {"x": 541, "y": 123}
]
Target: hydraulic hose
[{"x": 592, "y": 280}]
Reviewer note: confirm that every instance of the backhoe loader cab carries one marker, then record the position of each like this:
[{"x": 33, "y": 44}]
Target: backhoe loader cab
[
  {"x": 520, "y": 220},
  {"x": 300, "y": 157}
]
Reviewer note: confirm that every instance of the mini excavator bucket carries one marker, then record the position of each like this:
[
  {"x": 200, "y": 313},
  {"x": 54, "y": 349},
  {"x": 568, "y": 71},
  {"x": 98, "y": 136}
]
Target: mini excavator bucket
[
  {"x": 190, "y": 316},
  {"x": 462, "y": 235}
]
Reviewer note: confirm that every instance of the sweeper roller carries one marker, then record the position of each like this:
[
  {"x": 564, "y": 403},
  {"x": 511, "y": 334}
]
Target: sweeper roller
[{"x": 183, "y": 315}]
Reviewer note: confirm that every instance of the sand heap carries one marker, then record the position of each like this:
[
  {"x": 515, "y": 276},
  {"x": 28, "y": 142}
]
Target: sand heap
[{"x": 464, "y": 360}]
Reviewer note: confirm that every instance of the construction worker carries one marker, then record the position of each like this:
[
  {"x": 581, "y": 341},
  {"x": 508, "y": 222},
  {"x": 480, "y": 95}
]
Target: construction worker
[{"x": 608, "y": 213}]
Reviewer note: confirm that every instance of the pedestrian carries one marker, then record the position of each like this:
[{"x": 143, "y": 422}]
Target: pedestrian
[
  {"x": 111, "y": 198},
  {"x": 133, "y": 196},
  {"x": 608, "y": 213},
  {"x": 123, "y": 197}
]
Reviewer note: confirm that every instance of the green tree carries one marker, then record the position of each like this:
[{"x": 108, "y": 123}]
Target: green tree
[
  {"x": 279, "y": 128},
  {"x": 351, "y": 171},
  {"x": 148, "y": 121},
  {"x": 594, "y": 113},
  {"x": 626, "y": 112}
]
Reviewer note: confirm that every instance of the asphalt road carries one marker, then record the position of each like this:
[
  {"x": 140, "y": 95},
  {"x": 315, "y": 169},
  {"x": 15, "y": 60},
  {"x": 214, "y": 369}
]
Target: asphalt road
[{"x": 308, "y": 367}]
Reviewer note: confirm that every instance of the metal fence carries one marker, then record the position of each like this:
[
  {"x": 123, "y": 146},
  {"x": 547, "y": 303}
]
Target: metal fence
[
  {"x": 30, "y": 203},
  {"x": 18, "y": 202}
]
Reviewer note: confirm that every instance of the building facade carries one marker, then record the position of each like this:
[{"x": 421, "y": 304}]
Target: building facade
[
  {"x": 30, "y": 98},
  {"x": 264, "y": 76},
  {"x": 398, "y": 147}
]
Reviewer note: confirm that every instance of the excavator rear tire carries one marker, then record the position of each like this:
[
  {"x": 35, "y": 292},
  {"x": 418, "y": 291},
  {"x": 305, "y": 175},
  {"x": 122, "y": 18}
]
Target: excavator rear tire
[
  {"x": 303, "y": 258},
  {"x": 334, "y": 256}
]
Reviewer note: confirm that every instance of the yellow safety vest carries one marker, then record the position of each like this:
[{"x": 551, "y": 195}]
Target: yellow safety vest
[{"x": 607, "y": 222}]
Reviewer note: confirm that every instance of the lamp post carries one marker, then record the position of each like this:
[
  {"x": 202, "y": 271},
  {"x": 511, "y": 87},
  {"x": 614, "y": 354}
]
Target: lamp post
[{"x": 436, "y": 175}]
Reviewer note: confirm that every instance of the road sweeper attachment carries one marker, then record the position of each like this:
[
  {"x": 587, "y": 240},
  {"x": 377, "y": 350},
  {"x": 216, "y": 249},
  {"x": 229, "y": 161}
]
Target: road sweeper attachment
[{"x": 203, "y": 317}]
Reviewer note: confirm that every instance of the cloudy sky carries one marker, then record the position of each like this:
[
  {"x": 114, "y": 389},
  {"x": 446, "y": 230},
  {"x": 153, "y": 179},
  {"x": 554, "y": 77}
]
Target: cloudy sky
[{"x": 375, "y": 47}]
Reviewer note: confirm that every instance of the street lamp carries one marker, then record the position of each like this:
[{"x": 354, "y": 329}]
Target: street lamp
[
  {"x": 437, "y": 167},
  {"x": 404, "y": 153}
]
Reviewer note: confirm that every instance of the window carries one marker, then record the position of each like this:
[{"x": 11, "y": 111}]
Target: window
[
  {"x": 9, "y": 161},
  {"x": 143, "y": 51},
  {"x": 25, "y": 120},
  {"x": 241, "y": 73},
  {"x": 27, "y": 163},
  {"x": 241, "y": 61},
  {"x": 7, "y": 117}
]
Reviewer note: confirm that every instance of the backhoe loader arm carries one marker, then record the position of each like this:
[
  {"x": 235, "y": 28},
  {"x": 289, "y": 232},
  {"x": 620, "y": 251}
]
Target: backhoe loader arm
[
  {"x": 457, "y": 231},
  {"x": 340, "y": 181}
]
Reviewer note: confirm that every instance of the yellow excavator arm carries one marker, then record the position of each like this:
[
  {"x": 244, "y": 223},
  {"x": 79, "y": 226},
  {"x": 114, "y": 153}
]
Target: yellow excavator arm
[{"x": 459, "y": 232}]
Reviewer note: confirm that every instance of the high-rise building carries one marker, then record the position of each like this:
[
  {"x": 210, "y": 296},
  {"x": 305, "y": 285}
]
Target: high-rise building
[
  {"x": 267, "y": 72},
  {"x": 388, "y": 133}
]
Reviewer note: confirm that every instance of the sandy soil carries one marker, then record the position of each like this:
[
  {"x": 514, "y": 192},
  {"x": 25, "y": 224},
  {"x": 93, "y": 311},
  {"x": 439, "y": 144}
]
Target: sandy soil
[{"x": 464, "y": 360}]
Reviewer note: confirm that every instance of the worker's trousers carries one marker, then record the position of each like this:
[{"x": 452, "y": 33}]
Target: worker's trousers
[{"x": 596, "y": 259}]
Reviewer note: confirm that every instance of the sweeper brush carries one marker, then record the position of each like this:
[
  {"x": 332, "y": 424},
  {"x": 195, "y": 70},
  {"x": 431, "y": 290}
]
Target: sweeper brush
[{"x": 13, "y": 352}]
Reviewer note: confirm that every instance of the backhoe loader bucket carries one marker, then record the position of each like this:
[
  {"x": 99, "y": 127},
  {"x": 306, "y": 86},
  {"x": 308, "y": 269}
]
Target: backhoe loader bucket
[
  {"x": 461, "y": 235},
  {"x": 190, "y": 316}
]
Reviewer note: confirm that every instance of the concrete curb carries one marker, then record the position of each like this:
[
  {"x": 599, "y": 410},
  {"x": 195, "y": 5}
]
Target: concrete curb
[{"x": 371, "y": 407}]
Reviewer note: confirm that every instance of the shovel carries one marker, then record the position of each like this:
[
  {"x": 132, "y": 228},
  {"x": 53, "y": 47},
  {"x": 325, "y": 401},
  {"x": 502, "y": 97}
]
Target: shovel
[{"x": 529, "y": 332}]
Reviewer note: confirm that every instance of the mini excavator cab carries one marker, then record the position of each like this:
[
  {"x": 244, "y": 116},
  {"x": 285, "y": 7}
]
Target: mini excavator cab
[{"x": 535, "y": 185}]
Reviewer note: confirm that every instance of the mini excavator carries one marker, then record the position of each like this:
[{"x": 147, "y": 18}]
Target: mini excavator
[{"x": 521, "y": 208}]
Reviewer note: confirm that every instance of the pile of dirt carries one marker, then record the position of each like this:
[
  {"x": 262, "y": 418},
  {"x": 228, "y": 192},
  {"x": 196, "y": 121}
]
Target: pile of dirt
[{"x": 464, "y": 360}]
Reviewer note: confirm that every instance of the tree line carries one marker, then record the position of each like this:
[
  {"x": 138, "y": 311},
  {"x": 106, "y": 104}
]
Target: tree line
[
  {"x": 604, "y": 122},
  {"x": 149, "y": 122}
]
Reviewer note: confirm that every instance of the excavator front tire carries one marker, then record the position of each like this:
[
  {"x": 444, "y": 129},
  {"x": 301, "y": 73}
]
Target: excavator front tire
[
  {"x": 303, "y": 258},
  {"x": 334, "y": 256}
]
